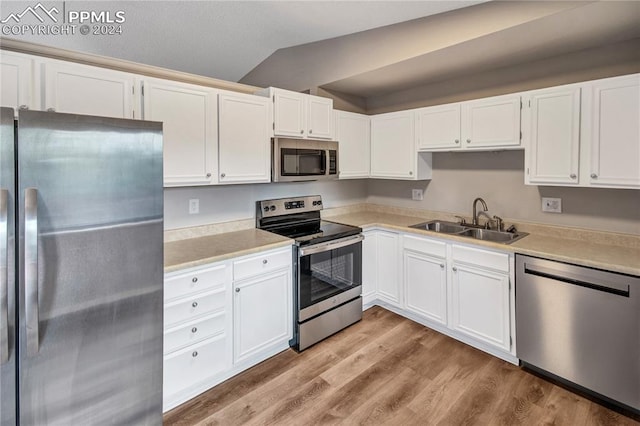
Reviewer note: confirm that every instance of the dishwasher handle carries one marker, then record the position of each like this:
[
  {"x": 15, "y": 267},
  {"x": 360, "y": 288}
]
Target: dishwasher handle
[{"x": 576, "y": 279}]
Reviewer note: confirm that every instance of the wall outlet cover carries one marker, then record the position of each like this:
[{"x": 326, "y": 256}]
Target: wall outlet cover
[
  {"x": 417, "y": 194},
  {"x": 194, "y": 206},
  {"x": 552, "y": 205}
]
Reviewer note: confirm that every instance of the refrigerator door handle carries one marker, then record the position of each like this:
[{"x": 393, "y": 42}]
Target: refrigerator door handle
[
  {"x": 31, "y": 270},
  {"x": 4, "y": 276}
]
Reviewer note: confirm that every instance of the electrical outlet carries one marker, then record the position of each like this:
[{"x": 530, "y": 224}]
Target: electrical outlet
[
  {"x": 194, "y": 206},
  {"x": 417, "y": 194},
  {"x": 552, "y": 205}
]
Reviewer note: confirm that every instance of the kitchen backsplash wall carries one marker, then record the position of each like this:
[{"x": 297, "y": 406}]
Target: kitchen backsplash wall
[
  {"x": 498, "y": 177},
  {"x": 236, "y": 202}
]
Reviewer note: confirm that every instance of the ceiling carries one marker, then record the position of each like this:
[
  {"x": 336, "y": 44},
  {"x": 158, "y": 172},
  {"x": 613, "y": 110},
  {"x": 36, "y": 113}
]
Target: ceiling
[{"x": 226, "y": 39}]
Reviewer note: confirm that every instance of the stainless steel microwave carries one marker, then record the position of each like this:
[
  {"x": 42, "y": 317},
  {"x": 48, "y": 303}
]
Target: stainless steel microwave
[{"x": 297, "y": 160}]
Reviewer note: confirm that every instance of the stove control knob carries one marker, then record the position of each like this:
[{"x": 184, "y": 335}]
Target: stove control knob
[
  {"x": 266, "y": 208},
  {"x": 272, "y": 208},
  {"x": 315, "y": 203},
  {"x": 319, "y": 202}
]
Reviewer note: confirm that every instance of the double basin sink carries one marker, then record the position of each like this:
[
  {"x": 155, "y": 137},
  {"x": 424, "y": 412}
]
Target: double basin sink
[{"x": 459, "y": 229}]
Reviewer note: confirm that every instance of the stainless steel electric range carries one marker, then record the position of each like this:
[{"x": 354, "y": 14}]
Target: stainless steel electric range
[{"x": 327, "y": 266}]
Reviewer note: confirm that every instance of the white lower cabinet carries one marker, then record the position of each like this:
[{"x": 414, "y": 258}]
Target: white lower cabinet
[
  {"x": 480, "y": 305},
  {"x": 222, "y": 318},
  {"x": 460, "y": 290}
]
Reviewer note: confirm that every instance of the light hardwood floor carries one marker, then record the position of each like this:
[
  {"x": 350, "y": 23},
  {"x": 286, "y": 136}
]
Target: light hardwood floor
[{"x": 388, "y": 370}]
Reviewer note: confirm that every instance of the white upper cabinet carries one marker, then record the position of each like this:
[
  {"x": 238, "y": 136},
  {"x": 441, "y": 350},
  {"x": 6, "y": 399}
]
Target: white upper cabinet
[
  {"x": 393, "y": 148},
  {"x": 18, "y": 81},
  {"x": 244, "y": 143},
  {"x": 438, "y": 127},
  {"x": 82, "y": 89},
  {"x": 553, "y": 136},
  {"x": 483, "y": 124},
  {"x": 491, "y": 123},
  {"x": 615, "y": 133},
  {"x": 188, "y": 114},
  {"x": 298, "y": 115},
  {"x": 353, "y": 133}
]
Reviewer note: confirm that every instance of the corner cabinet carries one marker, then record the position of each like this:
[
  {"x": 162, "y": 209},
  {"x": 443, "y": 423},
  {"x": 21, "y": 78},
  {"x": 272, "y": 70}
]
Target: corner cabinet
[
  {"x": 190, "y": 132},
  {"x": 393, "y": 148},
  {"x": 298, "y": 115},
  {"x": 353, "y": 132},
  {"x": 18, "y": 76},
  {"x": 244, "y": 144},
  {"x": 83, "y": 89}
]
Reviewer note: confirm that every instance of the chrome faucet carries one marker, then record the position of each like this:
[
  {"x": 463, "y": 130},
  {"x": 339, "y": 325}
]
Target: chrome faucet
[{"x": 475, "y": 211}]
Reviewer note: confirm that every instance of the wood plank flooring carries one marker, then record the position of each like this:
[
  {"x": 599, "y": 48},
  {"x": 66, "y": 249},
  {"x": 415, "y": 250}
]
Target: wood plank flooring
[{"x": 388, "y": 370}]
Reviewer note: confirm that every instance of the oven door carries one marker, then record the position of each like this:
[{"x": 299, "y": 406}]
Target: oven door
[{"x": 330, "y": 274}]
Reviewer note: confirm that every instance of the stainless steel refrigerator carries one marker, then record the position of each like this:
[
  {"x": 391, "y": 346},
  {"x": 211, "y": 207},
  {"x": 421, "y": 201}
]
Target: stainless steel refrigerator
[{"x": 81, "y": 270}]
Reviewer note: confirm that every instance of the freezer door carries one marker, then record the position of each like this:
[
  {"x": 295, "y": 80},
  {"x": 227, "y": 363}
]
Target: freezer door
[
  {"x": 90, "y": 270},
  {"x": 7, "y": 270}
]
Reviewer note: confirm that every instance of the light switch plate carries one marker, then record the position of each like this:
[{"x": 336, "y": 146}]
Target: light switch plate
[
  {"x": 552, "y": 205},
  {"x": 194, "y": 206},
  {"x": 417, "y": 194}
]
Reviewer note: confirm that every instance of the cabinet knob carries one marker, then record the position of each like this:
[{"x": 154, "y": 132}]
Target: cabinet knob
[
  {"x": 301, "y": 131},
  {"x": 194, "y": 304},
  {"x": 194, "y": 354},
  {"x": 208, "y": 175},
  {"x": 237, "y": 290},
  {"x": 454, "y": 269},
  {"x": 194, "y": 279},
  {"x": 572, "y": 175},
  {"x": 410, "y": 173},
  {"x": 51, "y": 110},
  {"x": 264, "y": 262},
  {"x": 594, "y": 176},
  {"x": 457, "y": 140},
  {"x": 223, "y": 175},
  {"x": 310, "y": 131},
  {"x": 442, "y": 265},
  {"x": 24, "y": 107},
  {"x": 194, "y": 329},
  {"x": 468, "y": 140}
]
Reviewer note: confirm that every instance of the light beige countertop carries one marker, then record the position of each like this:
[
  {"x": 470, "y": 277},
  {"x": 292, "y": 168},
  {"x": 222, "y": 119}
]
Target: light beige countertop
[
  {"x": 609, "y": 251},
  {"x": 191, "y": 252}
]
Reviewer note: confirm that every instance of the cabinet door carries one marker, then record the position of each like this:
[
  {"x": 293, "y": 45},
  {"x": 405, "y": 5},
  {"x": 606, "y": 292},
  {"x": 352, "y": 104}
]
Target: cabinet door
[
  {"x": 438, "y": 128},
  {"x": 83, "y": 89},
  {"x": 353, "y": 135},
  {"x": 369, "y": 266},
  {"x": 188, "y": 114},
  {"x": 393, "y": 149},
  {"x": 554, "y": 136},
  {"x": 262, "y": 313},
  {"x": 491, "y": 123},
  {"x": 388, "y": 279},
  {"x": 17, "y": 81},
  {"x": 480, "y": 304},
  {"x": 244, "y": 144},
  {"x": 425, "y": 285},
  {"x": 319, "y": 117},
  {"x": 288, "y": 113},
  {"x": 615, "y": 141}
]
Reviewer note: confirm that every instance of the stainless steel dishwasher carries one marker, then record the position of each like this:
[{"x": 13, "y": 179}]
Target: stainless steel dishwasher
[{"x": 581, "y": 325}]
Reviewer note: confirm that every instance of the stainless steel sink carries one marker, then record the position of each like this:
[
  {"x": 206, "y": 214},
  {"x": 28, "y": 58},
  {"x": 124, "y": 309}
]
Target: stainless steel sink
[
  {"x": 440, "y": 226},
  {"x": 453, "y": 228}
]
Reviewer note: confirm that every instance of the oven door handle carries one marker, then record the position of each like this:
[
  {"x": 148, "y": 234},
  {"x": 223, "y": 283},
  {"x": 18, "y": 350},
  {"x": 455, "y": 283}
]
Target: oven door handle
[{"x": 331, "y": 245}]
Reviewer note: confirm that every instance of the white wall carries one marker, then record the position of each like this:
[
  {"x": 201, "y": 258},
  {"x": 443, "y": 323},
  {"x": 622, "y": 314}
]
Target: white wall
[
  {"x": 236, "y": 202},
  {"x": 498, "y": 177}
]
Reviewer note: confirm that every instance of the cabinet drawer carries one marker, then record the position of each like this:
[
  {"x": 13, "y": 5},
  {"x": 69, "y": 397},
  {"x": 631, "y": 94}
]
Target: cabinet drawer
[
  {"x": 260, "y": 264},
  {"x": 197, "y": 363},
  {"x": 181, "y": 285},
  {"x": 193, "y": 332},
  {"x": 483, "y": 258},
  {"x": 425, "y": 245},
  {"x": 193, "y": 307}
]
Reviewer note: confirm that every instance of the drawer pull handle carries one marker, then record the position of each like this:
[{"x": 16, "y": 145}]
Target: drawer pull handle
[
  {"x": 442, "y": 265},
  {"x": 194, "y": 354},
  {"x": 194, "y": 329},
  {"x": 454, "y": 269},
  {"x": 194, "y": 279},
  {"x": 264, "y": 262},
  {"x": 194, "y": 304},
  {"x": 237, "y": 290}
]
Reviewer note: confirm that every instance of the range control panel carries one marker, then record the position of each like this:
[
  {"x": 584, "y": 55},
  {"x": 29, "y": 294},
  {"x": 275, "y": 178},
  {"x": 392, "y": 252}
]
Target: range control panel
[{"x": 283, "y": 206}]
